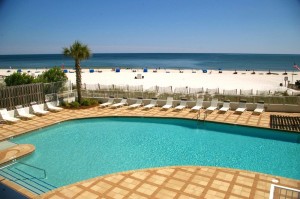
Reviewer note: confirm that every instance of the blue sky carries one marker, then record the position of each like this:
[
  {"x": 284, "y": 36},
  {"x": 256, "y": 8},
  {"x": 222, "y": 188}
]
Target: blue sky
[{"x": 122, "y": 26}]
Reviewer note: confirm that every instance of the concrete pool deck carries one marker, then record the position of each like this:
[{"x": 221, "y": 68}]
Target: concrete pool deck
[{"x": 176, "y": 182}]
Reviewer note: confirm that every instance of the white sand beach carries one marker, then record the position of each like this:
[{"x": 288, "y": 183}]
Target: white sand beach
[{"x": 211, "y": 80}]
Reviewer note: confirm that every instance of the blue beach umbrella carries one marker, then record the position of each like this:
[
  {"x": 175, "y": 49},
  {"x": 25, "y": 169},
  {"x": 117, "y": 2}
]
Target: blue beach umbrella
[
  {"x": 19, "y": 70},
  {"x": 145, "y": 70},
  {"x": 118, "y": 70},
  {"x": 204, "y": 70}
]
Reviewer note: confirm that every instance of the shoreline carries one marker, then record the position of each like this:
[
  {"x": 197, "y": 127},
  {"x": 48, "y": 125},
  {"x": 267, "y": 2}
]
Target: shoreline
[
  {"x": 227, "y": 80},
  {"x": 213, "y": 68}
]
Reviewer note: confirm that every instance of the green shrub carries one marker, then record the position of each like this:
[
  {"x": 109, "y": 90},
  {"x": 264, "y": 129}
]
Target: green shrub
[
  {"x": 86, "y": 102},
  {"x": 94, "y": 102},
  {"x": 89, "y": 102},
  {"x": 18, "y": 79},
  {"x": 65, "y": 104},
  {"x": 74, "y": 104},
  {"x": 52, "y": 75}
]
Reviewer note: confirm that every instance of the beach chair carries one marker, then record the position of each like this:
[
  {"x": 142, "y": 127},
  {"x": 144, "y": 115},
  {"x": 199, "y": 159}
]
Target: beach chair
[
  {"x": 22, "y": 113},
  {"x": 120, "y": 104},
  {"x": 198, "y": 105},
  {"x": 213, "y": 105},
  {"x": 260, "y": 107},
  {"x": 225, "y": 107},
  {"x": 169, "y": 103},
  {"x": 138, "y": 103},
  {"x": 242, "y": 107},
  {"x": 152, "y": 104},
  {"x": 37, "y": 110},
  {"x": 6, "y": 117},
  {"x": 182, "y": 105},
  {"x": 108, "y": 103},
  {"x": 138, "y": 76},
  {"x": 53, "y": 108}
]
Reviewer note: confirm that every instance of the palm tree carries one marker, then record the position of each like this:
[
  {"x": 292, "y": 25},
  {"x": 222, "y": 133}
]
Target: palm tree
[{"x": 78, "y": 52}]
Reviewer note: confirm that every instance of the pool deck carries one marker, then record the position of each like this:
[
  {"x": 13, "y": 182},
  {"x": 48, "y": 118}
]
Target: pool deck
[{"x": 170, "y": 182}]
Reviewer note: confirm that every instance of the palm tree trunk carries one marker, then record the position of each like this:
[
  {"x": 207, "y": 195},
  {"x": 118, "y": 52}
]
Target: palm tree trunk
[{"x": 78, "y": 79}]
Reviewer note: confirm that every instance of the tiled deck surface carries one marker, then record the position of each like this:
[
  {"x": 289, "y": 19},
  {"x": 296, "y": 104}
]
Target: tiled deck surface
[
  {"x": 246, "y": 118},
  {"x": 15, "y": 152},
  {"x": 175, "y": 182}
]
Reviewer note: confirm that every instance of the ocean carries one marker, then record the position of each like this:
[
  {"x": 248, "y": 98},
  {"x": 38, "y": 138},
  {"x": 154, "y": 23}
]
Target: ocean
[{"x": 210, "y": 61}]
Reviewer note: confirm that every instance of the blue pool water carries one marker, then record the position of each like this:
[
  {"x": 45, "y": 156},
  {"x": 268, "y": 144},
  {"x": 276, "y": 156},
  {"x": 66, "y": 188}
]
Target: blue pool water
[{"x": 76, "y": 150}]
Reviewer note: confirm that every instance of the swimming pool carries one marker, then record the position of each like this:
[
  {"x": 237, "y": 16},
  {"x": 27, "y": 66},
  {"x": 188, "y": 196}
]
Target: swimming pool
[{"x": 80, "y": 149}]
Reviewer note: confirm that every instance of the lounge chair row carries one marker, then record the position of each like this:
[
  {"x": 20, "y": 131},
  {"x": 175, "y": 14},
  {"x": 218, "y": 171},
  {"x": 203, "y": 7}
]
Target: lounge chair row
[
  {"x": 183, "y": 104},
  {"x": 24, "y": 114}
]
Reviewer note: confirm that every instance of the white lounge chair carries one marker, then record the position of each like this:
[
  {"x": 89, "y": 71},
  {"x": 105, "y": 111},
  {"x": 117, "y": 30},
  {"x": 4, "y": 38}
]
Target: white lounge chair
[
  {"x": 51, "y": 107},
  {"x": 138, "y": 103},
  {"x": 37, "y": 110},
  {"x": 198, "y": 105},
  {"x": 213, "y": 105},
  {"x": 152, "y": 104},
  {"x": 108, "y": 103},
  {"x": 182, "y": 105},
  {"x": 22, "y": 113},
  {"x": 225, "y": 107},
  {"x": 260, "y": 107},
  {"x": 242, "y": 107},
  {"x": 169, "y": 103},
  {"x": 6, "y": 117},
  {"x": 120, "y": 104}
]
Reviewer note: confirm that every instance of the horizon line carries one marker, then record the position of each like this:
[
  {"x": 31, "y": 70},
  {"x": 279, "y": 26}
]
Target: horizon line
[{"x": 158, "y": 53}]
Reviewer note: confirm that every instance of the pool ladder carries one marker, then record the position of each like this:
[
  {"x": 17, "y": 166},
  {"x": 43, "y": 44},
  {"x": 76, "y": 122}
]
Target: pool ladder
[{"x": 199, "y": 115}]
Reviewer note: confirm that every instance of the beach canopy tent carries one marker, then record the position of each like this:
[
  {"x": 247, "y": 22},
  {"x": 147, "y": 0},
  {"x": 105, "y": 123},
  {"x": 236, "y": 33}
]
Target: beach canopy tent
[
  {"x": 92, "y": 70},
  {"x": 204, "y": 71},
  {"x": 65, "y": 71},
  {"x": 19, "y": 70},
  {"x": 145, "y": 70},
  {"x": 118, "y": 70}
]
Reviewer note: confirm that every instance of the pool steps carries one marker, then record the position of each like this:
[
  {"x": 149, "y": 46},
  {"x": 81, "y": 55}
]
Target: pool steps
[
  {"x": 26, "y": 180},
  {"x": 6, "y": 145}
]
